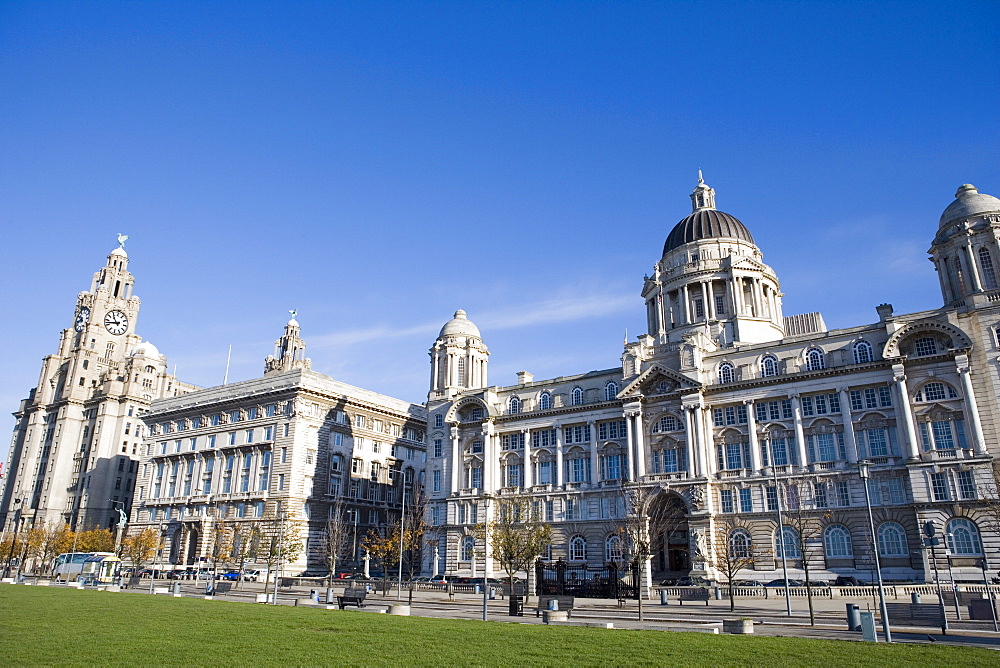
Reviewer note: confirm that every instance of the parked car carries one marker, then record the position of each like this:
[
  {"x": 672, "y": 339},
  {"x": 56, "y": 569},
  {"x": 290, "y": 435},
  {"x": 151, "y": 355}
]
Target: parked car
[
  {"x": 847, "y": 581},
  {"x": 781, "y": 583},
  {"x": 443, "y": 579},
  {"x": 686, "y": 582}
]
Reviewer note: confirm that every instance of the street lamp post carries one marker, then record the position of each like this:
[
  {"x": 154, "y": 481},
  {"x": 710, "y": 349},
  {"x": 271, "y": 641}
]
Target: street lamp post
[
  {"x": 781, "y": 541},
  {"x": 402, "y": 536},
  {"x": 13, "y": 539},
  {"x": 863, "y": 474},
  {"x": 948, "y": 542},
  {"x": 931, "y": 541},
  {"x": 277, "y": 565},
  {"x": 989, "y": 595}
]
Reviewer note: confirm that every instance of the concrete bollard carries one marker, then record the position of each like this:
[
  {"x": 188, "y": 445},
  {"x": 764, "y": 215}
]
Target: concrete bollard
[
  {"x": 663, "y": 597},
  {"x": 176, "y": 589},
  {"x": 401, "y": 610},
  {"x": 915, "y": 597},
  {"x": 330, "y": 596}
]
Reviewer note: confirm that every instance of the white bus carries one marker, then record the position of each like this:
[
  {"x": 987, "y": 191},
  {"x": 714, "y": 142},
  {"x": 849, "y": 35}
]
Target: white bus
[{"x": 69, "y": 565}]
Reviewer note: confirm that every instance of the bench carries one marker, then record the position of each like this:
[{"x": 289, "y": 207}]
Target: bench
[
  {"x": 694, "y": 594},
  {"x": 221, "y": 588},
  {"x": 352, "y": 597},
  {"x": 916, "y": 614},
  {"x": 565, "y": 603}
]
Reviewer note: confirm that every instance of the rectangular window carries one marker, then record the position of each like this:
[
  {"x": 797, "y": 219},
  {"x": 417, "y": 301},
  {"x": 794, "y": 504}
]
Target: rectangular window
[
  {"x": 807, "y": 406},
  {"x": 269, "y": 434},
  {"x": 476, "y": 477},
  {"x": 884, "y": 397},
  {"x": 249, "y": 435},
  {"x": 545, "y": 473},
  {"x": 611, "y": 430},
  {"x": 718, "y": 417},
  {"x": 875, "y": 492},
  {"x": 966, "y": 485},
  {"x": 786, "y": 409},
  {"x": 284, "y": 455},
  {"x": 726, "y": 496},
  {"x": 760, "y": 411},
  {"x": 939, "y": 485},
  {"x": 549, "y": 510},
  {"x": 746, "y": 500},
  {"x": 856, "y": 403},
  {"x": 436, "y": 478},
  {"x": 896, "y": 493},
  {"x": 513, "y": 441},
  {"x": 232, "y": 438},
  {"x": 870, "y": 398},
  {"x": 438, "y": 447},
  {"x": 670, "y": 464},
  {"x": 772, "y": 498},
  {"x": 792, "y": 497},
  {"x": 843, "y": 494},
  {"x": 942, "y": 436},
  {"x": 820, "y": 491}
]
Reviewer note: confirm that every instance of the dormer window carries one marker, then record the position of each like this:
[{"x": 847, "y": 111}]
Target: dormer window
[{"x": 544, "y": 401}]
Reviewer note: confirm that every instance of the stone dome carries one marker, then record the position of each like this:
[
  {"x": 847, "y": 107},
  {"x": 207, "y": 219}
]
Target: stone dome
[
  {"x": 706, "y": 224},
  {"x": 147, "y": 350},
  {"x": 969, "y": 202},
  {"x": 460, "y": 325},
  {"x": 119, "y": 251}
]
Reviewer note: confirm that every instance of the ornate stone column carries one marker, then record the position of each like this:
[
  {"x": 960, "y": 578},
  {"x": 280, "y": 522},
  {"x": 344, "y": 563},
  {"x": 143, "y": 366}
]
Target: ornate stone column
[
  {"x": 850, "y": 440},
  {"x": 456, "y": 460},
  {"x": 489, "y": 458},
  {"x": 755, "y": 462},
  {"x": 526, "y": 482},
  {"x": 640, "y": 445},
  {"x": 595, "y": 470},
  {"x": 910, "y": 447},
  {"x": 559, "y": 458},
  {"x": 978, "y": 438},
  {"x": 800, "y": 437}
]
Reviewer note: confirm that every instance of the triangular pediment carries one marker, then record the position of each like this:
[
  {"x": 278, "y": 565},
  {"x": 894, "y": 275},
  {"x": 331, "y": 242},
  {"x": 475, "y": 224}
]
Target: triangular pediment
[
  {"x": 658, "y": 379},
  {"x": 749, "y": 263}
]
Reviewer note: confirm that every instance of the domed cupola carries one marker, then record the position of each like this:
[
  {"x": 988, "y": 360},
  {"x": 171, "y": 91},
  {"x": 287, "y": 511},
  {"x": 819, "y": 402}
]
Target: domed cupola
[
  {"x": 712, "y": 279},
  {"x": 458, "y": 358},
  {"x": 705, "y": 222},
  {"x": 969, "y": 203},
  {"x": 965, "y": 250}
]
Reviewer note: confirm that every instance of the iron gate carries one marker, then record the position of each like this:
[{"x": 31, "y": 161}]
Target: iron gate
[{"x": 612, "y": 580}]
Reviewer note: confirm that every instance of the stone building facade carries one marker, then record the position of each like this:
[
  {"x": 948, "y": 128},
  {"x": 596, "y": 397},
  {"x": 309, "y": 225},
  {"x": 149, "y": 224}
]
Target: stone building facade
[
  {"x": 277, "y": 449},
  {"x": 75, "y": 447},
  {"x": 727, "y": 410}
]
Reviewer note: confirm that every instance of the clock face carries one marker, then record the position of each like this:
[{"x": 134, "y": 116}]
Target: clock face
[
  {"x": 116, "y": 322},
  {"x": 81, "y": 318}
]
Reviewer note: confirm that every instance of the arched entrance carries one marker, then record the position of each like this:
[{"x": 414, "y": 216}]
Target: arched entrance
[
  {"x": 668, "y": 527},
  {"x": 192, "y": 551}
]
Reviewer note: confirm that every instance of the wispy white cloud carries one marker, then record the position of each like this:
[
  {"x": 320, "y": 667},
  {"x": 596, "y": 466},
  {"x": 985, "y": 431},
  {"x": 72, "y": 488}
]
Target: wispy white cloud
[{"x": 554, "y": 310}]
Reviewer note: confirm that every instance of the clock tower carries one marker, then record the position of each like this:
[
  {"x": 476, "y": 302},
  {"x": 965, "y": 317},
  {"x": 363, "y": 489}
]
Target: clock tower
[{"x": 74, "y": 455}]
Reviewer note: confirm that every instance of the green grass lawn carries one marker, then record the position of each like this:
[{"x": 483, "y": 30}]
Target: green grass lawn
[{"x": 51, "y": 626}]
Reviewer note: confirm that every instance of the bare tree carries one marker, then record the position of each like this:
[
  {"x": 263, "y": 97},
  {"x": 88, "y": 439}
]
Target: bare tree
[
  {"x": 515, "y": 535},
  {"x": 733, "y": 551},
  {"x": 279, "y": 542},
  {"x": 220, "y": 536},
  {"x": 336, "y": 537},
  {"x": 808, "y": 529},
  {"x": 649, "y": 516},
  {"x": 246, "y": 538}
]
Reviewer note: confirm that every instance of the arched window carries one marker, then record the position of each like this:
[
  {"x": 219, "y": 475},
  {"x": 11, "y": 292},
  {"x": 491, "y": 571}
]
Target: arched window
[
  {"x": 513, "y": 405},
  {"x": 963, "y": 538},
  {"x": 739, "y": 544},
  {"x": 892, "y": 540},
  {"x": 788, "y": 545},
  {"x": 544, "y": 401},
  {"x": 577, "y": 396},
  {"x": 768, "y": 366},
  {"x": 837, "y": 541},
  {"x": 727, "y": 373},
  {"x": 989, "y": 273},
  {"x": 863, "y": 352},
  {"x": 467, "y": 548},
  {"x": 577, "y": 548},
  {"x": 936, "y": 392},
  {"x": 613, "y": 549},
  {"x": 611, "y": 391},
  {"x": 814, "y": 359},
  {"x": 666, "y": 423}
]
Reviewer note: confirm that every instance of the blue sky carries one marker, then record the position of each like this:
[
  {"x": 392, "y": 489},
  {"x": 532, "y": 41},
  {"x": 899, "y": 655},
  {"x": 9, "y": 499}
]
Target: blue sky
[{"x": 378, "y": 165}]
